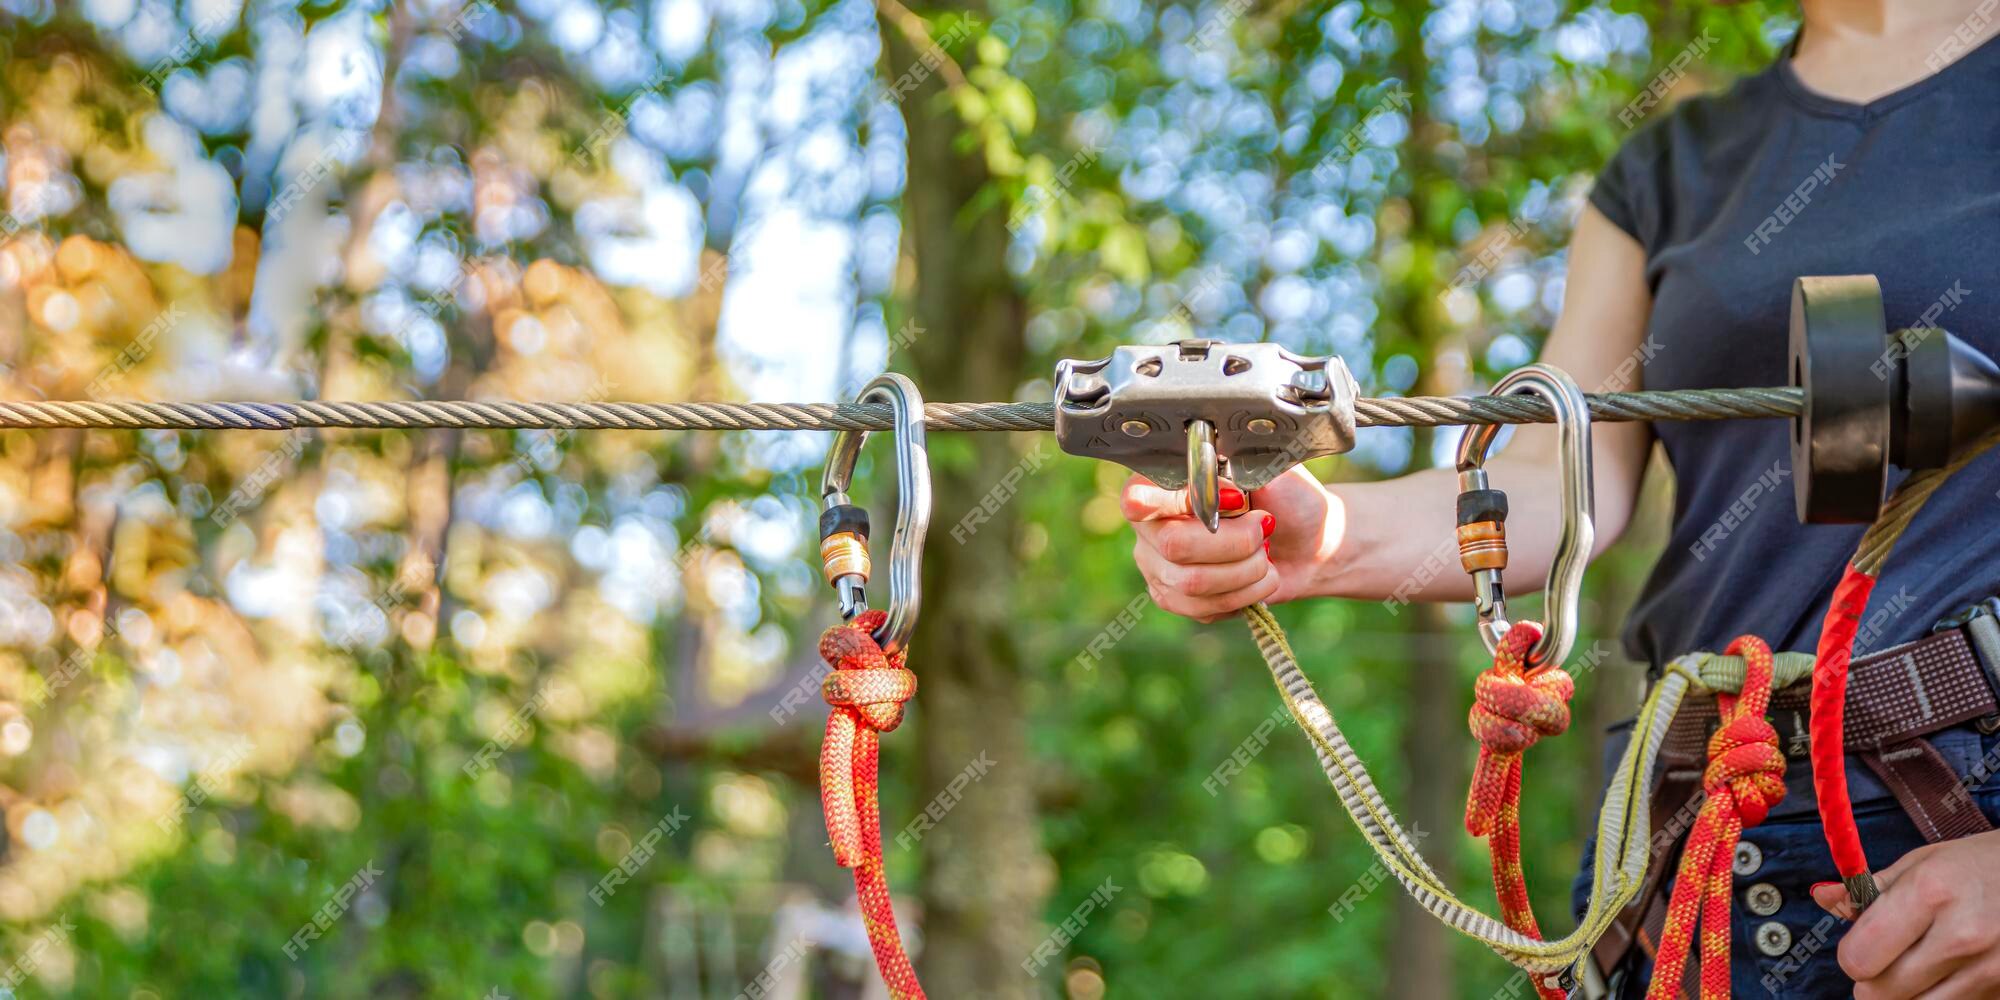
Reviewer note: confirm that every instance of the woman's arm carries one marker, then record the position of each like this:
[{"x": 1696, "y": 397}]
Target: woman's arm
[{"x": 1369, "y": 540}]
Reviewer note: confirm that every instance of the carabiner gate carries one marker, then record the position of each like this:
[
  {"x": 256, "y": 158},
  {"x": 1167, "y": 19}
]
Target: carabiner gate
[
  {"x": 843, "y": 527},
  {"x": 1204, "y": 488},
  {"x": 1482, "y": 516}
]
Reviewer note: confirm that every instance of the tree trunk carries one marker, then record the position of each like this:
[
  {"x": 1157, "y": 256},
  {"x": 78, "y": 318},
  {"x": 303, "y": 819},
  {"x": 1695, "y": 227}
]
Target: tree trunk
[
  {"x": 1433, "y": 744},
  {"x": 983, "y": 873},
  {"x": 1433, "y": 752}
]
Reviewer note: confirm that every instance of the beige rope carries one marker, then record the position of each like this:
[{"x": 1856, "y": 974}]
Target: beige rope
[
  {"x": 1623, "y": 832},
  {"x": 1908, "y": 499}
]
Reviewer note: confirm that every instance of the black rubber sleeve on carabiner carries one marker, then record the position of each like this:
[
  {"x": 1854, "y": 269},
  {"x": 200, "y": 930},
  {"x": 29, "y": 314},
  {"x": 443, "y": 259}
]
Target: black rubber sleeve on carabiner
[
  {"x": 1475, "y": 506},
  {"x": 843, "y": 517}
]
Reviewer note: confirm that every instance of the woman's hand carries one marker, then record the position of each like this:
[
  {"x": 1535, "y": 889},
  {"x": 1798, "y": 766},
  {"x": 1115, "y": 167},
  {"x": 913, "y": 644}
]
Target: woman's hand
[
  {"x": 1392, "y": 540},
  {"x": 1936, "y": 930},
  {"x": 1276, "y": 552}
]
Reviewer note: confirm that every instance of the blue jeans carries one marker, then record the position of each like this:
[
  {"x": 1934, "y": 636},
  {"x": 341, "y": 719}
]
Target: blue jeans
[{"x": 1791, "y": 952}]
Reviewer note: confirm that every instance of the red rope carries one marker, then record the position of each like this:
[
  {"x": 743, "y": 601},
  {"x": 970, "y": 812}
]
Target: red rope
[
  {"x": 1512, "y": 708},
  {"x": 1829, "y": 721},
  {"x": 1744, "y": 779},
  {"x": 866, "y": 689}
]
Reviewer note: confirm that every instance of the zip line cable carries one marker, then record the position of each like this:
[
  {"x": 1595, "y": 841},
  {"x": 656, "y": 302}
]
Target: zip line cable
[{"x": 1414, "y": 411}]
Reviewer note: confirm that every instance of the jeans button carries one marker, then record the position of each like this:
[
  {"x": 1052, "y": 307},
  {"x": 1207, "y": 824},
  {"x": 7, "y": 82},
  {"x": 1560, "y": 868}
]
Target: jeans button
[
  {"x": 1748, "y": 859},
  {"x": 1773, "y": 938},
  {"x": 1763, "y": 899}
]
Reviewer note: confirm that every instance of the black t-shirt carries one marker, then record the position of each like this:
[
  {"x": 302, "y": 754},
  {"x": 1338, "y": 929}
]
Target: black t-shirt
[{"x": 1735, "y": 195}]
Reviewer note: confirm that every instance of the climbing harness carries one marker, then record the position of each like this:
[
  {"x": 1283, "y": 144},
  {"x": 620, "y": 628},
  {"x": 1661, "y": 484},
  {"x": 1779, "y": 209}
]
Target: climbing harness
[
  {"x": 867, "y": 682},
  {"x": 1524, "y": 696}
]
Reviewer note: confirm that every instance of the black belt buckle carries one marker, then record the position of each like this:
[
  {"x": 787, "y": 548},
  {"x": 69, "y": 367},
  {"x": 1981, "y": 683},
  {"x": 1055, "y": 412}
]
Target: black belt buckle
[{"x": 1981, "y": 624}]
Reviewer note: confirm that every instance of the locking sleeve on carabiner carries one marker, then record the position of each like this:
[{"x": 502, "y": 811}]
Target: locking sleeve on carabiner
[
  {"x": 1482, "y": 517},
  {"x": 843, "y": 553},
  {"x": 843, "y": 526},
  {"x": 1482, "y": 530}
]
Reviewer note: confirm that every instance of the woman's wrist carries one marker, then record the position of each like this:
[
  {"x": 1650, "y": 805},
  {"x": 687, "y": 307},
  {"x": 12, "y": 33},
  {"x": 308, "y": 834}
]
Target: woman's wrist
[{"x": 1338, "y": 558}]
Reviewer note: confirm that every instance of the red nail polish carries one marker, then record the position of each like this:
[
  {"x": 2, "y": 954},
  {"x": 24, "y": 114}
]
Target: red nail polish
[
  {"x": 1267, "y": 548},
  {"x": 1270, "y": 525},
  {"x": 1817, "y": 886},
  {"x": 1232, "y": 498}
]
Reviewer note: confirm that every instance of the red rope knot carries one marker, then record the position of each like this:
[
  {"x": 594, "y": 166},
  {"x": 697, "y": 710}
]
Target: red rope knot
[
  {"x": 1744, "y": 779},
  {"x": 873, "y": 694},
  {"x": 866, "y": 689},
  {"x": 1744, "y": 763},
  {"x": 1512, "y": 708}
]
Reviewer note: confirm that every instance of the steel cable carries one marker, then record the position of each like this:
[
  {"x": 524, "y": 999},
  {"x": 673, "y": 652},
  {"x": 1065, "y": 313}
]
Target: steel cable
[{"x": 1426, "y": 411}]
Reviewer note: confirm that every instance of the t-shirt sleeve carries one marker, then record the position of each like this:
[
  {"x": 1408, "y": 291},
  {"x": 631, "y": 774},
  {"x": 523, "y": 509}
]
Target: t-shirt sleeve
[{"x": 1631, "y": 190}]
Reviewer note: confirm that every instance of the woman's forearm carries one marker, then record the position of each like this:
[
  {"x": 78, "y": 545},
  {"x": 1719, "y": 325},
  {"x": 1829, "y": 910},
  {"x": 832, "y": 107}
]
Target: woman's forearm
[{"x": 1395, "y": 540}]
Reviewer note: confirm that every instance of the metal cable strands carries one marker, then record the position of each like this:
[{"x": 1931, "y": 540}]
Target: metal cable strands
[{"x": 1417, "y": 411}]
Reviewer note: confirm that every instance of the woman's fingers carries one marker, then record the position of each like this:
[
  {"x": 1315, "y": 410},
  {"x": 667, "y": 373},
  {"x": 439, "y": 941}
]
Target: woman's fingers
[
  {"x": 1211, "y": 608},
  {"x": 1185, "y": 540},
  {"x": 1198, "y": 579},
  {"x": 1142, "y": 500},
  {"x": 1189, "y": 570}
]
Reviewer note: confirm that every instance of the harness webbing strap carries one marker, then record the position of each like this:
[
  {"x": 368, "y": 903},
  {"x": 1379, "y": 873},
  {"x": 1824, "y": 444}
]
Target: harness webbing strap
[{"x": 1896, "y": 699}]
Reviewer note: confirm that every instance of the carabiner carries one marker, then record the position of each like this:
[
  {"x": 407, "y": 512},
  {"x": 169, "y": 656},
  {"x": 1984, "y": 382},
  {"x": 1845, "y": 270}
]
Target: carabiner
[
  {"x": 843, "y": 527},
  {"x": 1204, "y": 469},
  {"x": 1482, "y": 516}
]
